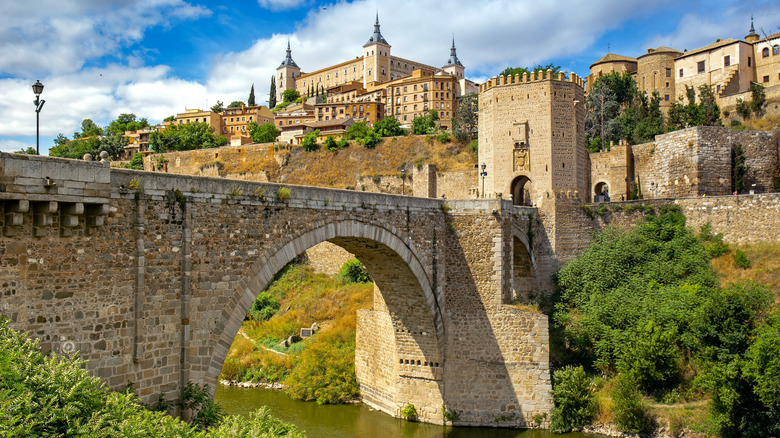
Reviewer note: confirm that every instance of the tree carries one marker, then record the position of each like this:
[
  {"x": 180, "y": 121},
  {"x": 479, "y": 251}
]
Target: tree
[
  {"x": 357, "y": 130},
  {"x": 272, "y": 93},
  {"x": 265, "y": 133},
  {"x": 388, "y": 127},
  {"x": 29, "y": 151},
  {"x": 218, "y": 108},
  {"x": 425, "y": 124},
  {"x": 137, "y": 162},
  {"x": 309, "y": 143},
  {"x": 251, "y": 100},
  {"x": 169, "y": 119},
  {"x": 60, "y": 140},
  {"x": 465, "y": 120},
  {"x": 602, "y": 110},
  {"x": 125, "y": 122},
  {"x": 185, "y": 137},
  {"x": 758, "y": 98},
  {"x": 290, "y": 96},
  {"x": 90, "y": 129},
  {"x": 235, "y": 104}
]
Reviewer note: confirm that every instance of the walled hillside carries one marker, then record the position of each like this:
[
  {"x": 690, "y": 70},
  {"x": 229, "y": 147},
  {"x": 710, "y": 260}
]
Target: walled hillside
[{"x": 353, "y": 167}]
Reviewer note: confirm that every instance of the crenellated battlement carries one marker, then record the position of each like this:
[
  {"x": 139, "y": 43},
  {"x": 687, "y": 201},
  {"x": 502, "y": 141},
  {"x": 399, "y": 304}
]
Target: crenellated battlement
[{"x": 526, "y": 78}]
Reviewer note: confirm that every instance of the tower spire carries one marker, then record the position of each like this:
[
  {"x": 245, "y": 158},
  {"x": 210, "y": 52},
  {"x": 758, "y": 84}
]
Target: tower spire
[
  {"x": 377, "y": 36},
  {"x": 752, "y": 37},
  {"x": 288, "y": 61},
  {"x": 453, "y": 55},
  {"x": 752, "y": 29}
]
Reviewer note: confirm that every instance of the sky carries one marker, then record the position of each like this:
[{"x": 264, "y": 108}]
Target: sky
[{"x": 155, "y": 58}]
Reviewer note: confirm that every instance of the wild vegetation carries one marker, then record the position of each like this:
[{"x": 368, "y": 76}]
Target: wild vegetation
[
  {"x": 320, "y": 368},
  {"x": 54, "y": 396},
  {"x": 644, "y": 310},
  {"x": 93, "y": 139}
]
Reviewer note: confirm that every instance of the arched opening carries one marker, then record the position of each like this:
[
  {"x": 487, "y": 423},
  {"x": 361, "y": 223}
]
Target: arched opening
[
  {"x": 397, "y": 342},
  {"x": 601, "y": 192},
  {"x": 521, "y": 191},
  {"x": 523, "y": 273}
]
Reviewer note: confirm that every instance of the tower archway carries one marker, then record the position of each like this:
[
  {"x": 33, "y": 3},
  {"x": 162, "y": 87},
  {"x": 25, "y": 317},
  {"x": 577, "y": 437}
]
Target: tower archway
[{"x": 521, "y": 191}]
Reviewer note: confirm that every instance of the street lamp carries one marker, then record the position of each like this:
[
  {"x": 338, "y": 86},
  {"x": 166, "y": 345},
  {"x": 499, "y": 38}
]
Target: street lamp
[
  {"x": 403, "y": 181},
  {"x": 483, "y": 174},
  {"x": 38, "y": 89},
  {"x": 652, "y": 188}
]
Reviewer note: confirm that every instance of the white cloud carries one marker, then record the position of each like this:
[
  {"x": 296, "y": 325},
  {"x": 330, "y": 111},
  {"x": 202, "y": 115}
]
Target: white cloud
[
  {"x": 60, "y": 36},
  {"x": 278, "y": 5},
  {"x": 14, "y": 145}
]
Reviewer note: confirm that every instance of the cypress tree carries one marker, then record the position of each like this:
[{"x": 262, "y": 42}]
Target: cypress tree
[
  {"x": 251, "y": 100},
  {"x": 272, "y": 93}
]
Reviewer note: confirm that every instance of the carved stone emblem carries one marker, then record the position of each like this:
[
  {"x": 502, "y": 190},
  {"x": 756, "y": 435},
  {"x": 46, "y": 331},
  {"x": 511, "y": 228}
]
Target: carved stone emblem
[{"x": 522, "y": 159}]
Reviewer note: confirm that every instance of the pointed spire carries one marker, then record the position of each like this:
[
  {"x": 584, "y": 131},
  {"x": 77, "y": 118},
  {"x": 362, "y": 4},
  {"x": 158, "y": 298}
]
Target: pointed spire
[
  {"x": 453, "y": 55},
  {"x": 288, "y": 61},
  {"x": 752, "y": 37},
  {"x": 377, "y": 36},
  {"x": 752, "y": 29}
]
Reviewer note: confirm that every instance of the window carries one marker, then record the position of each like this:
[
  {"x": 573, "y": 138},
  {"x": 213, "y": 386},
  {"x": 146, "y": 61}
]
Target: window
[
  {"x": 726, "y": 60},
  {"x": 765, "y": 52},
  {"x": 700, "y": 67},
  {"x": 666, "y": 97},
  {"x": 668, "y": 73},
  {"x": 415, "y": 107},
  {"x": 681, "y": 72},
  {"x": 775, "y": 50},
  {"x": 750, "y": 61},
  {"x": 415, "y": 87},
  {"x": 766, "y": 78}
]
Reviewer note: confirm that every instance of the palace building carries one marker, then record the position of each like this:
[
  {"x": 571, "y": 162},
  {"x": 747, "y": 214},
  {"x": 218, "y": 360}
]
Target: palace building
[{"x": 378, "y": 84}]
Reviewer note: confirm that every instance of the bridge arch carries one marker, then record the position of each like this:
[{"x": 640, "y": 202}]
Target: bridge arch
[{"x": 413, "y": 326}]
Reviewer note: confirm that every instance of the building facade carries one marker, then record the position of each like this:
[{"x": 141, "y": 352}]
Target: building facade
[{"x": 373, "y": 83}]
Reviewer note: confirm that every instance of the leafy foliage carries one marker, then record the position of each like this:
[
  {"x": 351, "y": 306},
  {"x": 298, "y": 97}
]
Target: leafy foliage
[
  {"x": 363, "y": 134},
  {"x": 738, "y": 168},
  {"x": 272, "y": 93},
  {"x": 309, "y": 143},
  {"x": 465, "y": 119},
  {"x": 325, "y": 370},
  {"x": 290, "y": 95},
  {"x": 185, "y": 137},
  {"x": 29, "y": 151},
  {"x": 137, "y": 162},
  {"x": 218, "y": 107},
  {"x": 264, "y": 307},
  {"x": 51, "y": 395},
  {"x": 713, "y": 243},
  {"x": 575, "y": 404},
  {"x": 251, "y": 100},
  {"x": 409, "y": 412},
  {"x": 425, "y": 124},
  {"x": 509, "y": 71},
  {"x": 235, "y": 104},
  {"x": 265, "y": 133},
  {"x": 630, "y": 412},
  {"x": 352, "y": 271},
  {"x": 705, "y": 113},
  {"x": 389, "y": 127},
  {"x": 741, "y": 259}
]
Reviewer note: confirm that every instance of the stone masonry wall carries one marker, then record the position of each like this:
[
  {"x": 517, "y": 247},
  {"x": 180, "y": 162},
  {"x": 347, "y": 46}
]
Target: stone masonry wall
[{"x": 150, "y": 275}]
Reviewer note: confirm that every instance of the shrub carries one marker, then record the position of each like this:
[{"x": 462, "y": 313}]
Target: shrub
[
  {"x": 260, "y": 424},
  {"x": 330, "y": 144},
  {"x": 137, "y": 162},
  {"x": 630, "y": 411},
  {"x": 325, "y": 370},
  {"x": 575, "y": 403},
  {"x": 409, "y": 412},
  {"x": 352, "y": 271},
  {"x": 264, "y": 307},
  {"x": 713, "y": 244},
  {"x": 444, "y": 137},
  {"x": 309, "y": 143},
  {"x": 653, "y": 359},
  {"x": 741, "y": 259}
]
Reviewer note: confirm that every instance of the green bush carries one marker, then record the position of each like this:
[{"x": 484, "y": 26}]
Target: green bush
[
  {"x": 352, "y": 271},
  {"x": 653, "y": 360},
  {"x": 330, "y": 144},
  {"x": 325, "y": 371},
  {"x": 741, "y": 259},
  {"x": 575, "y": 403},
  {"x": 264, "y": 307},
  {"x": 137, "y": 162},
  {"x": 283, "y": 194},
  {"x": 630, "y": 412},
  {"x": 409, "y": 412},
  {"x": 713, "y": 244},
  {"x": 52, "y": 395},
  {"x": 444, "y": 137},
  {"x": 309, "y": 143}
]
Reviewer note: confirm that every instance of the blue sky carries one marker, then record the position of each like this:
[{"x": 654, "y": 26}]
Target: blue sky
[{"x": 154, "y": 58}]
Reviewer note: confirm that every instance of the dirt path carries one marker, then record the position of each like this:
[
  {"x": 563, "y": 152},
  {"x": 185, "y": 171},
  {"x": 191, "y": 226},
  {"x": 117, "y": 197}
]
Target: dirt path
[{"x": 241, "y": 332}]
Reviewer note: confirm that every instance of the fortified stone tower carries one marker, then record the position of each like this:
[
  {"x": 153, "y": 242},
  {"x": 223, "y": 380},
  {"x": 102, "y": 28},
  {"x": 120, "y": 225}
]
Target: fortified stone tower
[
  {"x": 454, "y": 67},
  {"x": 532, "y": 143},
  {"x": 286, "y": 74},
  {"x": 376, "y": 57}
]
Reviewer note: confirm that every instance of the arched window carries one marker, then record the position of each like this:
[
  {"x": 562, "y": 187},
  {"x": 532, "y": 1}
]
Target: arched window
[
  {"x": 765, "y": 52},
  {"x": 776, "y": 50}
]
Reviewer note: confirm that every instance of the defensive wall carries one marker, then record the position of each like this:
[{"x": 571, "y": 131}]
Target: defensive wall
[
  {"x": 685, "y": 163},
  {"x": 742, "y": 219},
  {"x": 149, "y": 276}
]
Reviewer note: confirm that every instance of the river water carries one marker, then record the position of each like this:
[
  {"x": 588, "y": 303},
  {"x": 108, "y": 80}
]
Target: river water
[{"x": 358, "y": 420}]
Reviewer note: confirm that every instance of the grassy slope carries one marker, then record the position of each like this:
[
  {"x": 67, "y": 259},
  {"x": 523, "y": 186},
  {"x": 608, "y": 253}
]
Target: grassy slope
[
  {"x": 306, "y": 297},
  {"x": 342, "y": 169},
  {"x": 764, "y": 266}
]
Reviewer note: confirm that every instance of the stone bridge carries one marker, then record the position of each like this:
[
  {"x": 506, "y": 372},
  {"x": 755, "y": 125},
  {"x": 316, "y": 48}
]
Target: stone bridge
[{"x": 149, "y": 276}]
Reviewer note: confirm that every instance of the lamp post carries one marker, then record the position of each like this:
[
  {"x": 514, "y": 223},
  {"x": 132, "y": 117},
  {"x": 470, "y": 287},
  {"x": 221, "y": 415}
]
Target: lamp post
[
  {"x": 403, "y": 181},
  {"x": 483, "y": 174},
  {"x": 652, "y": 188},
  {"x": 38, "y": 89}
]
